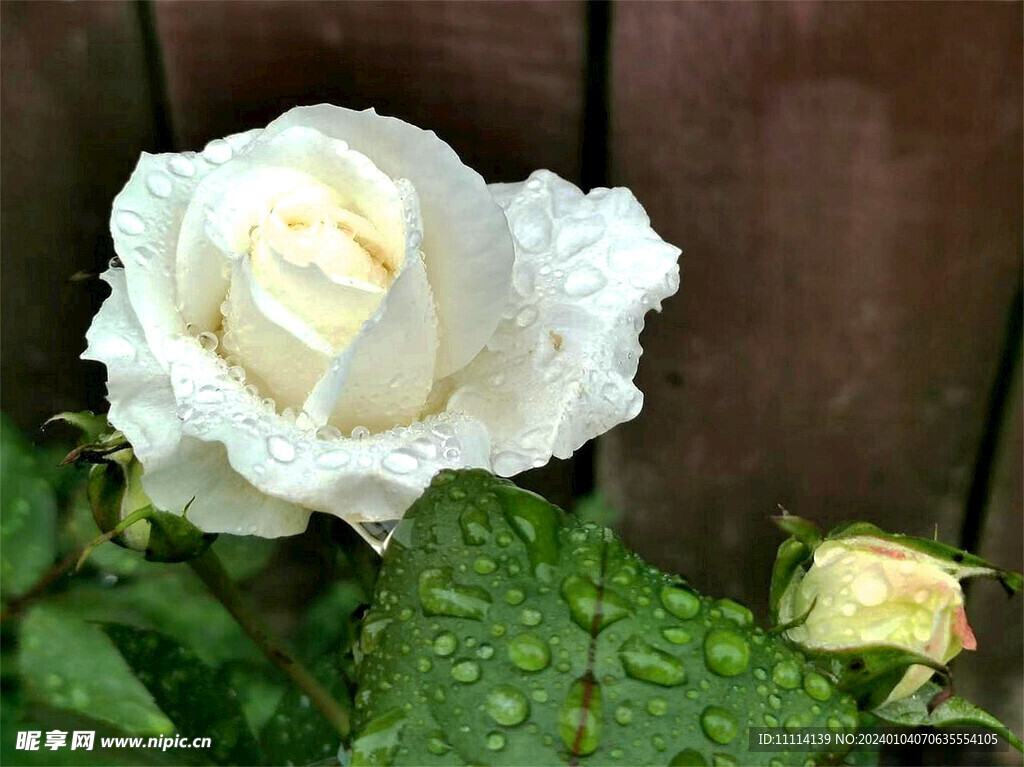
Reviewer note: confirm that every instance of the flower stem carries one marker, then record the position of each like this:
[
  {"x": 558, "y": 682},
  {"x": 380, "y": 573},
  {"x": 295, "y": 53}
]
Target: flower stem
[{"x": 209, "y": 568}]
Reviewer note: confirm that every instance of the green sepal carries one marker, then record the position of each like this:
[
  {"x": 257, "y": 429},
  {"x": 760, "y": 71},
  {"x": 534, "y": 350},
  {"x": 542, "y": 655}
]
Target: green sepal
[
  {"x": 959, "y": 563},
  {"x": 789, "y": 560},
  {"x": 92, "y": 427},
  {"x": 870, "y": 673},
  {"x": 918, "y": 709},
  {"x": 172, "y": 538},
  {"x": 803, "y": 530}
]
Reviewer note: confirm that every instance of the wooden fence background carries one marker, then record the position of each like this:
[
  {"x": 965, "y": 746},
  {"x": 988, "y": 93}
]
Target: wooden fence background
[{"x": 844, "y": 179}]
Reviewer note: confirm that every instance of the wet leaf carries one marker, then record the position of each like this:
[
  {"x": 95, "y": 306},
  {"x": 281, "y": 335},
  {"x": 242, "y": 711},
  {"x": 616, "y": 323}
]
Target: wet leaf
[{"x": 503, "y": 631}]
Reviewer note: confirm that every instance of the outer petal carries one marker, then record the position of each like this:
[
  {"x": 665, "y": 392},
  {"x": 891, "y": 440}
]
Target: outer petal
[
  {"x": 178, "y": 467},
  {"x": 468, "y": 251},
  {"x": 372, "y": 478},
  {"x": 559, "y": 369},
  {"x": 145, "y": 223}
]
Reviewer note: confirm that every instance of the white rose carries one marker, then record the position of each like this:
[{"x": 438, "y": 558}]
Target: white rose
[{"x": 321, "y": 315}]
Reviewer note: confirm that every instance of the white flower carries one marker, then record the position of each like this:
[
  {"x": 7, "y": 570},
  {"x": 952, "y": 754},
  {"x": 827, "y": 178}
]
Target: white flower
[
  {"x": 342, "y": 273},
  {"x": 865, "y": 592}
]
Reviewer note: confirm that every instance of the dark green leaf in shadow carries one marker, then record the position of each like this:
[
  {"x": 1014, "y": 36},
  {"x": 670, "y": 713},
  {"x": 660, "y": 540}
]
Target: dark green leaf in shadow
[
  {"x": 196, "y": 697},
  {"x": 913, "y": 710}
]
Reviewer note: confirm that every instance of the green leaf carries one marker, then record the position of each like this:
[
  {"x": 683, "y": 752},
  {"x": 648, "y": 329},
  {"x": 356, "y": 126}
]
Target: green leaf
[
  {"x": 504, "y": 632},
  {"x": 330, "y": 622},
  {"x": 297, "y": 733},
  {"x": 789, "y": 561},
  {"x": 28, "y": 515},
  {"x": 69, "y": 664},
  {"x": 802, "y": 529},
  {"x": 193, "y": 695},
  {"x": 913, "y": 710}
]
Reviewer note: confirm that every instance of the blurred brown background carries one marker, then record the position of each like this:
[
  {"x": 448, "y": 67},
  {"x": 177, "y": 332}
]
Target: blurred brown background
[{"x": 845, "y": 180}]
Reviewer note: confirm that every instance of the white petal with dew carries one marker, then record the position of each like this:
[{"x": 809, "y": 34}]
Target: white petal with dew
[
  {"x": 558, "y": 370},
  {"x": 280, "y": 355},
  {"x": 466, "y": 242},
  {"x": 145, "y": 224},
  {"x": 177, "y": 467}
]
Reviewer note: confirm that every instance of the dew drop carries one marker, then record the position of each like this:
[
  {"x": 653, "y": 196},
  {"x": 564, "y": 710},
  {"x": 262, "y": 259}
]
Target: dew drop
[
  {"x": 657, "y": 707},
  {"x": 209, "y": 395},
  {"x": 676, "y": 635},
  {"x": 495, "y": 740},
  {"x": 775, "y": 702},
  {"x": 870, "y": 588},
  {"x": 280, "y": 449},
  {"x": 530, "y": 616},
  {"x": 441, "y": 595},
  {"x": 515, "y": 596},
  {"x": 649, "y": 664},
  {"x": 180, "y": 165},
  {"x": 579, "y": 720},
  {"x": 786, "y": 674},
  {"x": 817, "y": 686},
  {"x": 688, "y": 757},
  {"x": 158, "y": 184},
  {"x": 400, "y": 462},
  {"x": 476, "y": 527},
  {"x": 217, "y": 152},
  {"x": 466, "y": 671},
  {"x": 681, "y": 603},
  {"x": 719, "y": 724},
  {"x": 237, "y": 373},
  {"x": 360, "y": 432},
  {"x": 848, "y": 609},
  {"x": 484, "y": 566},
  {"x": 623, "y": 714},
  {"x": 588, "y": 611},
  {"x": 328, "y": 432},
  {"x": 735, "y": 612},
  {"x": 726, "y": 653},
  {"x": 424, "y": 664},
  {"x": 507, "y": 706},
  {"x": 208, "y": 341},
  {"x": 436, "y": 743},
  {"x": 584, "y": 281},
  {"x": 335, "y": 459},
  {"x": 129, "y": 222},
  {"x": 529, "y": 652},
  {"x": 526, "y": 316},
  {"x": 445, "y": 644}
]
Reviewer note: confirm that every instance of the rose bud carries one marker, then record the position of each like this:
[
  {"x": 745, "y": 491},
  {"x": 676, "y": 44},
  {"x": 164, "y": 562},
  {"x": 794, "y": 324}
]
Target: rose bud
[{"x": 884, "y": 611}]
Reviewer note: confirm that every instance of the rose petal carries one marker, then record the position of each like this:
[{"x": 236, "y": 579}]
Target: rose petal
[
  {"x": 369, "y": 479},
  {"x": 467, "y": 248},
  {"x": 559, "y": 368},
  {"x": 383, "y": 377},
  {"x": 177, "y": 468},
  {"x": 145, "y": 224},
  {"x": 279, "y": 353}
]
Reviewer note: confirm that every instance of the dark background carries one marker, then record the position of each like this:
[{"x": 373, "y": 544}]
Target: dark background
[{"x": 844, "y": 180}]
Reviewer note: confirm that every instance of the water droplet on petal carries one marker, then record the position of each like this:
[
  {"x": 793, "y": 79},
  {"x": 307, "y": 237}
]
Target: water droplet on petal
[
  {"x": 583, "y": 281},
  {"x": 158, "y": 184},
  {"x": 526, "y": 316},
  {"x": 129, "y": 222},
  {"x": 280, "y": 449},
  {"x": 870, "y": 587},
  {"x": 180, "y": 165},
  {"x": 360, "y": 432},
  {"x": 209, "y": 395},
  {"x": 217, "y": 152},
  {"x": 208, "y": 341},
  {"x": 400, "y": 462}
]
